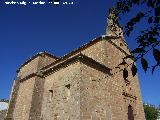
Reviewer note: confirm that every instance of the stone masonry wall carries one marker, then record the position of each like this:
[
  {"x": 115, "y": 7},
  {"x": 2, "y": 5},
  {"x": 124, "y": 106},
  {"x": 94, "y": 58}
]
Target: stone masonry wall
[
  {"x": 12, "y": 101},
  {"x": 129, "y": 87},
  {"x": 106, "y": 52},
  {"x": 22, "y": 99},
  {"x": 115, "y": 50},
  {"x": 101, "y": 96},
  {"x": 23, "y": 102},
  {"x": 61, "y": 99},
  {"x": 45, "y": 60},
  {"x": 34, "y": 65},
  {"x": 111, "y": 53},
  {"x": 29, "y": 68},
  {"x": 96, "y": 52},
  {"x": 95, "y": 100}
]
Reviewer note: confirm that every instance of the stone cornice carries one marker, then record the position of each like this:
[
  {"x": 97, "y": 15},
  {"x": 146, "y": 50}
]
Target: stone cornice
[
  {"x": 38, "y": 74},
  {"x": 82, "y": 58},
  {"x": 81, "y": 48}
]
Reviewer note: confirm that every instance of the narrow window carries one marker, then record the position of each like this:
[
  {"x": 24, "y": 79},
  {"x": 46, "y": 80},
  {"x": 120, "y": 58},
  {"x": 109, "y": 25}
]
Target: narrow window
[
  {"x": 50, "y": 95},
  {"x": 130, "y": 113},
  {"x": 68, "y": 86}
]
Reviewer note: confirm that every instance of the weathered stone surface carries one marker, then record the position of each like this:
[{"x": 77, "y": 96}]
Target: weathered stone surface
[
  {"x": 24, "y": 99},
  {"x": 83, "y": 85},
  {"x": 62, "y": 94}
]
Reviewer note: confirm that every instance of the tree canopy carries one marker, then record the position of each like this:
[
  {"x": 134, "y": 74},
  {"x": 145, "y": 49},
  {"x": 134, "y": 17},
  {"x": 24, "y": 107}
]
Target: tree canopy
[
  {"x": 151, "y": 112},
  {"x": 148, "y": 39}
]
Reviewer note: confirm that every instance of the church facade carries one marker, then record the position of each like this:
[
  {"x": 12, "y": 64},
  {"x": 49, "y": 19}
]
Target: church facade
[{"x": 82, "y": 85}]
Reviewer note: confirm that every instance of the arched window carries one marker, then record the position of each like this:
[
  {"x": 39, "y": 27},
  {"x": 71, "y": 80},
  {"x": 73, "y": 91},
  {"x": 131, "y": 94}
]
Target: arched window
[{"x": 130, "y": 113}]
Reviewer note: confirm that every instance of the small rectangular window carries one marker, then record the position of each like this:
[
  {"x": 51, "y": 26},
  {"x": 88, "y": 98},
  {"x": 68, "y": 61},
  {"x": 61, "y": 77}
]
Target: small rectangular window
[{"x": 50, "y": 95}]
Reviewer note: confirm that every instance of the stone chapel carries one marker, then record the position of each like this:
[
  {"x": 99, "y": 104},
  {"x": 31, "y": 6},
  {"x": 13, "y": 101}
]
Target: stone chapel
[{"x": 85, "y": 84}]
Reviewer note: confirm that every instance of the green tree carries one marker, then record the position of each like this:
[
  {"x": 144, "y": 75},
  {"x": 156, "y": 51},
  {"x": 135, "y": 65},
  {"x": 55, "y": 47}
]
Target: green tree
[
  {"x": 151, "y": 112},
  {"x": 148, "y": 39}
]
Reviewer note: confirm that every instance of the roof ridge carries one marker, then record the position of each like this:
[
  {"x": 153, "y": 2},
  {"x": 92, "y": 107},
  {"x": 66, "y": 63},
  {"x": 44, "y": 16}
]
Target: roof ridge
[
  {"x": 79, "y": 49},
  {"x": 35, "y": 56}
]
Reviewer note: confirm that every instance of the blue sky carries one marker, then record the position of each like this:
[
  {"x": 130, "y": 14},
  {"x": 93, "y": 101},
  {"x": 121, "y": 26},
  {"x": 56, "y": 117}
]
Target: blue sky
[{"x": 27, "y": 30}]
